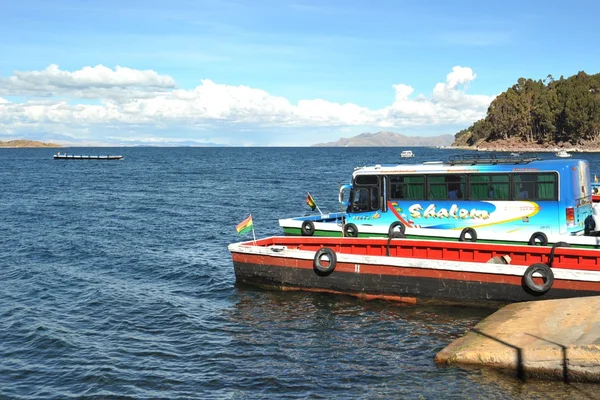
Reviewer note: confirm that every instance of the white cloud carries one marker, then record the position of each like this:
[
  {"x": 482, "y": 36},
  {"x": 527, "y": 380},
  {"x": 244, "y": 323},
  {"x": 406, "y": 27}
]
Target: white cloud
[
  {"x": 447, "y": 104},
  {"x": 146, "y": 104},
  {"x": 450, "y": 96},
  {"x": 459, "y": 76},
  {"x": 403, "y": 92},
  {"x": 88, "y": 82}
]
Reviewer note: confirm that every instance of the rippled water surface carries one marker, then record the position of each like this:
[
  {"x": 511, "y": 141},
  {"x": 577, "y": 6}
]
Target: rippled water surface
[{"x": 116, "y": 282}]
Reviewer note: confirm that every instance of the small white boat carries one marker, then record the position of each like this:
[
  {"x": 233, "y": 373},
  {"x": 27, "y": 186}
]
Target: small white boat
[
  {"x": 563, "y": 154},
  {"x": 407, "y": 154}
]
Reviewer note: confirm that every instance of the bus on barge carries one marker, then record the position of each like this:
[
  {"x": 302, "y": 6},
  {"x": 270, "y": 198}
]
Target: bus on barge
[{"x": 467, "y": 198}]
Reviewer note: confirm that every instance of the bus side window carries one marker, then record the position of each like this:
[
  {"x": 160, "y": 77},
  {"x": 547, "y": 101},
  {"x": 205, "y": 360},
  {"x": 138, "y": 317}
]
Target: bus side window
[
  {"x": 450, "y": 186},
  {"x": 454, "y": 193},
  {"x": 523, "y": 193},
  {"x": 404, "y": 187},
  {"x": 536, "y": 186},
  {"x": 546, "y": 187},
  {"x": 489, "y": 187},
  {"x": 397, "y": 192},
  {"x": 500, "y": 187}
]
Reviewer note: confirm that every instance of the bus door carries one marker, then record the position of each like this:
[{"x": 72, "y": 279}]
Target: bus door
[{"x": 367, "y": 193}]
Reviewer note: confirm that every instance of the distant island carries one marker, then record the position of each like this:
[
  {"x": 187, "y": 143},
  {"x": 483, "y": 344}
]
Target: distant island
[
  {"x": 542, "y": 115},
  {"x": 26, "y": 143},
  {"x": 390, "y": 139}
]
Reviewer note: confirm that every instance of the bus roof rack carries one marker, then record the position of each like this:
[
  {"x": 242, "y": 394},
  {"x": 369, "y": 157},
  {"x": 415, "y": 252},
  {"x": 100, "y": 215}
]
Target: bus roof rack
[{"x": 474, "y": 159}]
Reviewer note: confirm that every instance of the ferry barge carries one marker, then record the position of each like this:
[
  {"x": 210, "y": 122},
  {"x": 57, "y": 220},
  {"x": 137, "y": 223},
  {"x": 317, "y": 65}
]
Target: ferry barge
[{"x": 417, "y": 270}]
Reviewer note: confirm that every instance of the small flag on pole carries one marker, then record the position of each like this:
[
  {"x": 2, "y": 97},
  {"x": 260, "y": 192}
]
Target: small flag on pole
[
  {"x": 245, "y": 226},
  {"x": 311, "y": 202}
]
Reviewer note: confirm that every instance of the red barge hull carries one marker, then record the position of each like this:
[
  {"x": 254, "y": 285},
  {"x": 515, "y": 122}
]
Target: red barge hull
[{"x": 418, "y": 270}]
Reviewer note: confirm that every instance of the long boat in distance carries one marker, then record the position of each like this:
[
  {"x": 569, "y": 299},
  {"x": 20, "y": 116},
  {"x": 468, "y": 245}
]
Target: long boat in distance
[
  {"x": 466, "y": 198},
  {"x": 417, "y": 270},
  {"x": 66, "y": 156}
]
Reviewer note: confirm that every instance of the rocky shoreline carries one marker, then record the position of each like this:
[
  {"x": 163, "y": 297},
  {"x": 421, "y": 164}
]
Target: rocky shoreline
[
  {"x": 525, "y": 147},
  {"x": 547, "y": 339}
]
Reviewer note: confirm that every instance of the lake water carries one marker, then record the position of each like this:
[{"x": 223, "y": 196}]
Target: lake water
[{"x": 116, "y": 282}]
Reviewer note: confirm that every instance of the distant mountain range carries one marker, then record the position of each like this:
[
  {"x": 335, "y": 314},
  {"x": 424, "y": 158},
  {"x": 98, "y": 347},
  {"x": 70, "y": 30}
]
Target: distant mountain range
[
  {"x": 27, "y": 143},
  {"x": 390, "y": 139},
  {"x": 72, "y": 143}
]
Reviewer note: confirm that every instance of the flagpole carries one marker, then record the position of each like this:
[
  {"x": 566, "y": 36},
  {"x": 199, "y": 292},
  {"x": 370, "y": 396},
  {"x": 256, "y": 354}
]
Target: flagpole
[
  {"x": 253, "y": 235},
  {"x": 320, "y": 212},
  {"x": 316, "y": 206},
  {"x": 342, "y": 210}
]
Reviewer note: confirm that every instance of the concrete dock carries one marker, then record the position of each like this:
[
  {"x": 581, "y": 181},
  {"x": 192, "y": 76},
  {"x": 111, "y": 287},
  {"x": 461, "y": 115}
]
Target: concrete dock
[{"x": 551, "y": 339}]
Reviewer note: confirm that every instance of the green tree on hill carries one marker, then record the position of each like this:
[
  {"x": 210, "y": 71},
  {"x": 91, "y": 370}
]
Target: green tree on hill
[{"x": 563, "y": 110}]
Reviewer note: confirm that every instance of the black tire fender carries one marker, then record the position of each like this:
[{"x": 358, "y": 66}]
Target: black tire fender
[
  {"x": 589, "y": 225},
  {"x": 553, "y": 250},
  {"x": 392, "y": 233},
  {"x": 308, "y": 228},
  {"x": 318, "y": 266},
  {"x": 468, "y": 231},
  {"x": 538, "y": 239},
  {"x": 350, "y": 230},
  {"x": 546, "y": 274}
]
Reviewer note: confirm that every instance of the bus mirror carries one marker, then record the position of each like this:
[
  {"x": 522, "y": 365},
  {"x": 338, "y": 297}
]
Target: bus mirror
[{"x": 345, "y": 192}]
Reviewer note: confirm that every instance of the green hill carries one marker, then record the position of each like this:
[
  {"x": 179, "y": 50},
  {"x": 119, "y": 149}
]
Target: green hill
[{"x": 545, "y": 113}]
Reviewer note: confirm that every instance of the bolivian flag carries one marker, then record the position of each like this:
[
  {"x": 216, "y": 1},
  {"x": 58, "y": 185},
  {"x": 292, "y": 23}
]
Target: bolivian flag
[
  {"x": 244, "y": 226},
  {"x": 311, "y": 202}
]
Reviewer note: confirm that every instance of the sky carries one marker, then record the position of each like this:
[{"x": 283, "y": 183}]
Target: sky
[{"x": 273, "y": 72}]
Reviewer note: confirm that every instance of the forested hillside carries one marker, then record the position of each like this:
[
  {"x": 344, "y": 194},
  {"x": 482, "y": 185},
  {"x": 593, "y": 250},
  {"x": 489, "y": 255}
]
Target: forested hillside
[{"x": 544, "y": 112}]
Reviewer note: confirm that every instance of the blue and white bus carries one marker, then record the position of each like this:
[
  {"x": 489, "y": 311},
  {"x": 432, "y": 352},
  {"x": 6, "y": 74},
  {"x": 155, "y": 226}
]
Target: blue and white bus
[{"x": 473, "y": 197}]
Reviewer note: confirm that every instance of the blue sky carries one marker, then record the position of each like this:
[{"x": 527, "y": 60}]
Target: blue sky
[{"x": 273, "y": 72}]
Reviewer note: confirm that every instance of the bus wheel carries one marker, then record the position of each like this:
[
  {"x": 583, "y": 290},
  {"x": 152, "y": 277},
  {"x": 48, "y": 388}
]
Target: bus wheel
[
  {"x": 538, "y": 239},
  {"x": 350, "y": 230},
  {"x": 321, "y": 268},
  {"x": 392, "y": 233},
  {"x": 308, "y": 228},
  {"x": 544, "y": 272},
  {"x": 468, "y": 231}
]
